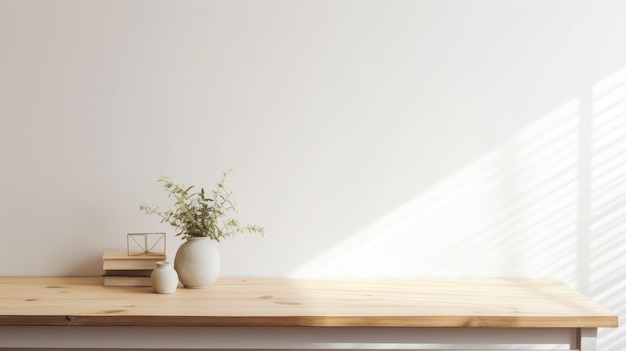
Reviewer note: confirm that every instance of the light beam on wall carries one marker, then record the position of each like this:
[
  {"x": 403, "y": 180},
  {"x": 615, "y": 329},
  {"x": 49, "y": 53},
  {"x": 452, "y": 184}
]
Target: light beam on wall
[
  {"x": 551, "y": 202},
  {"x": 515, "y": 210}
]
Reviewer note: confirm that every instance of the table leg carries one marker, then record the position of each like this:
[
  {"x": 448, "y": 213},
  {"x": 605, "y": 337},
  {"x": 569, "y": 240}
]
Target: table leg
[{"x": 586, "y": 339}]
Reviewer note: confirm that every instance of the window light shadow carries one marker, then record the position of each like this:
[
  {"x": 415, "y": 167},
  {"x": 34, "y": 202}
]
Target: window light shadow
[{"x": 548, "y": 203}]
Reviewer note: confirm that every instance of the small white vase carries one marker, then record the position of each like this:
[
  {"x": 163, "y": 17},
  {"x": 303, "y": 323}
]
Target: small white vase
[
  {"x": 197, "y": 263},
  {"x": 164, "y": 278}
]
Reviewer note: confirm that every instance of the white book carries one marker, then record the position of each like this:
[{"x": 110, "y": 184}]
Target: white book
[{"x": 120, "y": 260}]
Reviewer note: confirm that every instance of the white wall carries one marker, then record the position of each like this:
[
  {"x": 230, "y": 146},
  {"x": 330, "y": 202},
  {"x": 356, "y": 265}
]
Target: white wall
[{"x": 370, "y": 138}]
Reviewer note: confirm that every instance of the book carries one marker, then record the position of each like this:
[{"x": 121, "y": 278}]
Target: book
[
  {"x": 126, "y": 281},
  {"x": 120, "y": 260},
  {"x": 127, "y": 273}
]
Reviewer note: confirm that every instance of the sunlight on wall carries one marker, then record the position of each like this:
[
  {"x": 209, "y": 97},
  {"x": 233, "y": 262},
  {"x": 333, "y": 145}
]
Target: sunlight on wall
[
  {"x": 607, "y": 227},
  {"x": 513, "y": 210},
  {"x": 548, "y": 203}
]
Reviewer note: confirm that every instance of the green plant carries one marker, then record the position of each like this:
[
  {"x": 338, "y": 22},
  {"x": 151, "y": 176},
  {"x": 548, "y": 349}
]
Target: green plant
[{"x": 198, "y": 214}]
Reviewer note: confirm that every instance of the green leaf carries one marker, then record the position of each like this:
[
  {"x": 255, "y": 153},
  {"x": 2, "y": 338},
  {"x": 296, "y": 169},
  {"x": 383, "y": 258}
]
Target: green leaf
[{"x": 195, "y": 214}]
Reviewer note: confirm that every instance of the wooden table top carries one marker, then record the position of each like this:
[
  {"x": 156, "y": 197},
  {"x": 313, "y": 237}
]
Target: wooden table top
[{"x": 523, "y": 303}]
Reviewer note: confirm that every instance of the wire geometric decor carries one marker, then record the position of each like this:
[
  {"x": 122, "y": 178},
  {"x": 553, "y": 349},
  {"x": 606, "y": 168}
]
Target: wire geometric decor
[{"x": 145, "y": 244}]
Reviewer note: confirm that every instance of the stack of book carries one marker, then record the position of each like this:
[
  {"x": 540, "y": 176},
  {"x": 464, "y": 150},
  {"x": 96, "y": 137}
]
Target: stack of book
[{"x": 121, "y": 269}]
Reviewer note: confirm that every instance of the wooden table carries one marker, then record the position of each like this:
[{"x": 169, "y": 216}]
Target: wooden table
[{"x": 56, "y": 312}]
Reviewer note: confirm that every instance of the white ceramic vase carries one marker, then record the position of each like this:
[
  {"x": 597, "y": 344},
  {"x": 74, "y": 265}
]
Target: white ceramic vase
[
  {"x": 197, "y": 262},
  {"x": 164, "y": 278}
]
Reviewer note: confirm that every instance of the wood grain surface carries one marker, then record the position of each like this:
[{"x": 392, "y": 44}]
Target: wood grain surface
[{"x": 505, "y": 303}]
